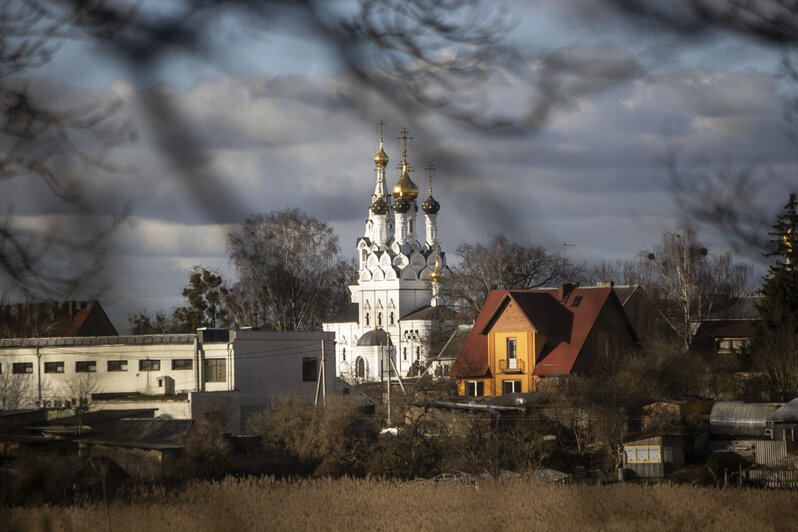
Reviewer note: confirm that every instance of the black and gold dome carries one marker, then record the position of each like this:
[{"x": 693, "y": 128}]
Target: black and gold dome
[
  {"x": 380, "y": 206},
  {"x": 401, "y": 205},
  {"x": 431, "y": 206}
]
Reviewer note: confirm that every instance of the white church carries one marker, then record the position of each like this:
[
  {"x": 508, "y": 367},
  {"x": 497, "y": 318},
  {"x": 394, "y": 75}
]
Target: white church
[{"x": 394, "y": 306}]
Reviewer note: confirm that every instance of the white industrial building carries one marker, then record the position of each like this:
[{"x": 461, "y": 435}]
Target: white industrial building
[{"x": 233, "y": 372}]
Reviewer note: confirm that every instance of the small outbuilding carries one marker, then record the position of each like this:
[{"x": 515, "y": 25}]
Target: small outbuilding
[{"x": 655, "y": 457}]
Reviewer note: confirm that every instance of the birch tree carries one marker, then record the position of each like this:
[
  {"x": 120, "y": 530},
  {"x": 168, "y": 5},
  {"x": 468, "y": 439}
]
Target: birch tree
[
  {"x": 290, "y": 274},
  {"x": 686, "y": 282}
]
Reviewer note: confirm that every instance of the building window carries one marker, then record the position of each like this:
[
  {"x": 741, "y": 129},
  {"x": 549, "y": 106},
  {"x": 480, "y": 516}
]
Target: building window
[
  {"x": 511, "y": 387},
  {"x": 418, "y": 353},
  {"x": 391, "y": 318},
  {"x": 149, "y": 365},
  {"x": 215, "y": 370},
  {"x": 343, "y": 354},
  {"x": 309, "y": 369},
  {"x": 182, "y": 363},
  {"x": 379, "y": 319},
  {"x": 360, "y": 368},
  {"x": 117, "y": 365},
  {"x": 367, "y": 318},
  {"x": 725, "y": 346},
  {"x": 404, "y": 353},
  {"x": 643, "y": 454},
  {"x": 475, "y": 388},
  {"x": 512, "y": 361},
  {"x": 86, "y": 366},
  {"x": 53, "y": 367},
  {"x": 18, "y": 368}
]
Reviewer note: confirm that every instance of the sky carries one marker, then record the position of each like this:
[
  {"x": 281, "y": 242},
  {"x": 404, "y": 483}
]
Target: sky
[{"x": 600, "y": 105}]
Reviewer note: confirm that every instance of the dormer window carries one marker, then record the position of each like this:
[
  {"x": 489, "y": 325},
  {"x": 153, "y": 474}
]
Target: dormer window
[{"x": 576, "y": 301}]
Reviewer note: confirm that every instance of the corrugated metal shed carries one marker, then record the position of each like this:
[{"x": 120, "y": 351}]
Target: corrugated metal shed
[
  {"x": 740, "y": 419},
  {"x": 788, "y": 412},
  {"x": 775, "y": 454}
]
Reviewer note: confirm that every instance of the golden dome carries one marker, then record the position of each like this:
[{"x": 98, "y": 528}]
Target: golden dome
[
  {"x": 381, "y": 159},
  {"x": 436, "y": 275},
  {"x": 405, "y": 188}
]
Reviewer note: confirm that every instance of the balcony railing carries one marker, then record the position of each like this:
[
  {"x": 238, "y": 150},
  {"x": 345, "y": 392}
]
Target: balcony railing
[{"x": 512, "y": 365}]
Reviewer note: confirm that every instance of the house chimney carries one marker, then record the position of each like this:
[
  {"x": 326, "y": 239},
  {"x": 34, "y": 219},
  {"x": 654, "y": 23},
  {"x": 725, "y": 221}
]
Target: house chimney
[{"x": 564, "y": 290}]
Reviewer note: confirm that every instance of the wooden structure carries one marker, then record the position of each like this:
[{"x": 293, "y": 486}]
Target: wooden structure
[{"x": 655, "y": 457}]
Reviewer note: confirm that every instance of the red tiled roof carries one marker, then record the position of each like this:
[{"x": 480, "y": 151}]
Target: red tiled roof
[{"x": 567, "y": 325}]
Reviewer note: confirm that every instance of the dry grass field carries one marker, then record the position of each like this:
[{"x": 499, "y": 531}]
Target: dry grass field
[{"x": 369, "y": 504}]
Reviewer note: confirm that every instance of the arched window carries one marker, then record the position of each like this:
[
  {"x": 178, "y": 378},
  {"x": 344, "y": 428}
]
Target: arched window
[
  {"x": 343, "y": 354},
  {"x": 391, "y": 318},
  {"x": 367, "y": 318},
  {"x": 360, "y": 368},
  {"x": 379, "y": 319}
]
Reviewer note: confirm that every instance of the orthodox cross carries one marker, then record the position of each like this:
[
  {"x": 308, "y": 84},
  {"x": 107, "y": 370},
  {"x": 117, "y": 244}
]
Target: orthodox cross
[
  {"x": 430, "y": 170},
  {"x": 404, "y": 138}
]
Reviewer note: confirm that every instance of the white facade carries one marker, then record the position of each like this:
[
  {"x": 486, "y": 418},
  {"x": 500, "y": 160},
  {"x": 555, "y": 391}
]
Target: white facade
[
  {"x": 251, "y": 367},
  {"x": 394, "y": 281}
]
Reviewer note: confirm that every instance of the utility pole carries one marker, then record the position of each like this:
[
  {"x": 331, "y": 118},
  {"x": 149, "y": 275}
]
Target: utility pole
[
  {"x": 386, "y": 365},
  {"x": 564, "y": 246}
]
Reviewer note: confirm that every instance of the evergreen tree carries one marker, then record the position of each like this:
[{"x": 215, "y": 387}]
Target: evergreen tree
[
  {"x": 779, "y": 308},
  {"x": 204, "y": 297}
]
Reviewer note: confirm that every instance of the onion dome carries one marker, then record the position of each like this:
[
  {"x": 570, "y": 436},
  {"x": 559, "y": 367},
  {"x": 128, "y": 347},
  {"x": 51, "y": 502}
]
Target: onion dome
[
  {"x": 401, "y": 205},
  {"x": 436, "y": 275},
  {"x": 431, "y": 206},
  {"x": 405, "y": 188},
  {"x": 381, "y": 159},
  {"x": 380, "y": 206}
]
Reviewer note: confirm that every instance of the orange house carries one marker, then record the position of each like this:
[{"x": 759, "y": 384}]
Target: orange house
[{"x": 523, "y": 336}]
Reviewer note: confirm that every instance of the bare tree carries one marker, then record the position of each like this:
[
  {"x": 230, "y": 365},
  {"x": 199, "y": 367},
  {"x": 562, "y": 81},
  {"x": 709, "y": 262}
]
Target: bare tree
[
  {"x": 50, "y": 141},
  {"x": 79, "y": 391},
  {"x": 501, "y": 264},
  {"x": 16, "y": 390},
  {"x": 686, "y": 282},
  {"x": 290, "y": 276}
]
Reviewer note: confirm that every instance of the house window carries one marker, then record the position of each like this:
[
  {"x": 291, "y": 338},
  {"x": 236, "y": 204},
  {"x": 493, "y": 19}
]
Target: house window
[
  {"x": 215, "y": 370},
  {"x": 182, "y": 363},
  {"x": 576, "y": 301},
  {"x": 149, "y": 365},
  {"x": 512, "y": 361},
  {"x": 511, "y": 387},
  {"x": 725, "y": 346},
  {"x": 86, "y": 366},
  {"x": 360, "y": 368},
  {"x": 475, "y": 388},
  {"x": 18, "y": 368},
  {"x": 309, "y": 369},
  {"x": 117, "y": 365},
  {"x": 53, "y": 367}
]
